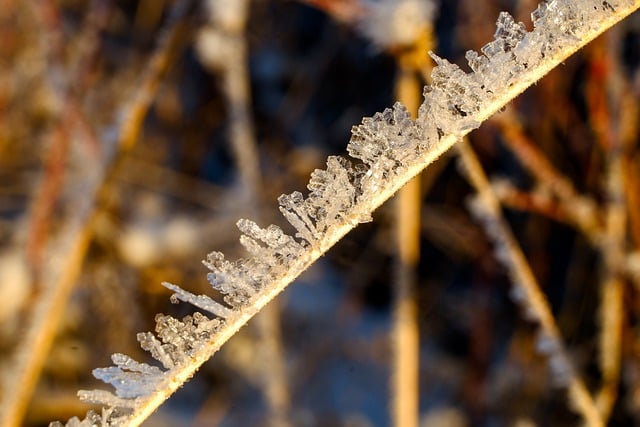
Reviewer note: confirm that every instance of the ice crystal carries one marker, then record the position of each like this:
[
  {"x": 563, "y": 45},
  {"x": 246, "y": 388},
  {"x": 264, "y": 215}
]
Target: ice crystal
[
  {"x": 332, "y": 193},
  {"x": 296, "y": 211},
  {"x": 93, "y": 419},
  {"x": 452, "y": 100},
  {"x": 130, "y": 378},
  {"x": 560, "y": 367},
  {"x": 277, "y": 247},
  {"x": 228, "y": 278},
  {"x": 509, "y": 32},
  {"x": 184, "y": 336},
  {"x": 159, "y": 351},
  {"x": 201, "y": 301},
  {"x": 386, "y": 135},
  {"x": 103, "y": 397},
  {"x": 385, "y": 143}
]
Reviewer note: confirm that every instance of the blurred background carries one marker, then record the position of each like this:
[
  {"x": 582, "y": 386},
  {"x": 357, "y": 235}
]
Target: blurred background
[{"x": 134, "y": 134}]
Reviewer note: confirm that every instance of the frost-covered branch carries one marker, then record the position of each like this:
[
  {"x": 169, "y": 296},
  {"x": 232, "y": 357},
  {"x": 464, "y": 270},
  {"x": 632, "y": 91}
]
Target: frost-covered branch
[{"x": 389, "y": 149}]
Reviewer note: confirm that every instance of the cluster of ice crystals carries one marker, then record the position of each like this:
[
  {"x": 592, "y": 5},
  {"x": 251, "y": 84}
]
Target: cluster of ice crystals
[
  {"x": 158, "y": 350},
  {"x": 452, "y": 100},
  {"x": 387, "y": 135},
  {"x": 332, "y": 193},
  {"x": 296, "y": 211},
  {"x": 508, "y": 32},
  {"x": 229, "y": 278},
  {"x": 184, "y": 337},
  {"x": 130, "y": 378},
  {"x": 270, "y": 247},
  {"x": 176, "y": 342},
  {"x": 93, "y": 419},
  {"x": 271, "y": 253},
  {"x": 385, "y": 143}
]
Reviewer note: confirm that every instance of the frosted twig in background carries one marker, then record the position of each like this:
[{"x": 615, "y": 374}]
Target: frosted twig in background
[
  {"x": 223, "y": 48},
  {"x": 525, "y": 290},
  {"x": 390, "y": 149}
]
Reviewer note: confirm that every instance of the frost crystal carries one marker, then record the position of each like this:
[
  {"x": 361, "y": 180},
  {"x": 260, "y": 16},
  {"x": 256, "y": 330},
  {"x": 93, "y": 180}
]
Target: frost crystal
[
  {"x": 296, "y": 211},
  {"x": 452, "y": 100},
  {"x": 228, "y": 278},
  {"x": 158, "y": 350},
  {"x": 103, "y": 397},
  {"x": 385, "y": 143},
  {"x": 186, "y": 336},
  {"x": 385, "y": 136},
  {"x": 130, "y": 378},
  {"x": 560, "y": 367},
  {"x": 92, "y": 419},
  {"x": 278, "y": 247},
  {"x": 201, "y": 301},
  {"x": 509, "y": 32},
  {"x": 332, "y": 193}
]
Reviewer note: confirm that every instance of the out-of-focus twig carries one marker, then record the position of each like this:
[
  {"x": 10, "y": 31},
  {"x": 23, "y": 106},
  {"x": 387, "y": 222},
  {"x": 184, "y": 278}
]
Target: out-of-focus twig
[
  {"x": 405, "y": 335},
  {"x": 412, "y": 63},
  {"x": 223, "y": 48},
  {"x": 526, "y": 290}
]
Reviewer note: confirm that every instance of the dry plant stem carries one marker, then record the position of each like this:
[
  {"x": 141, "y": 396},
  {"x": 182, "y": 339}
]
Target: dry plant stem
[
  {"x": 533, "y": 301},
  {"x": 62, "y": 271},
  {"x": 612, "y": 247},
  {"x": 612, "y": 309},
  {"x": 405, "y": 337},
  {"x": 629, "y": 126},
  {"x": 633, "y": 197},
  {"x": 170, "y": 380}
]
